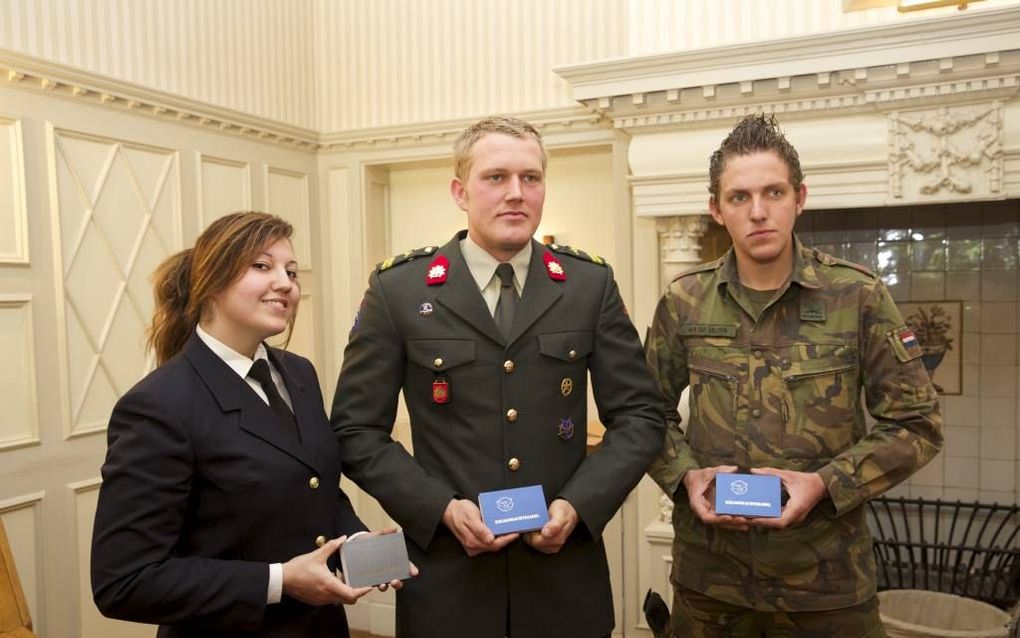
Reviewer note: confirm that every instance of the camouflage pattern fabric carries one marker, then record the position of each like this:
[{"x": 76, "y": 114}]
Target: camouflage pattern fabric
[
  {"x": 784, "y": 390},
  {"x": 699, "y": 616}
]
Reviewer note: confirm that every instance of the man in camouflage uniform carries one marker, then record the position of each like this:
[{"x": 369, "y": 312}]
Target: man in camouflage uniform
[{"x": 776, "y": 341}]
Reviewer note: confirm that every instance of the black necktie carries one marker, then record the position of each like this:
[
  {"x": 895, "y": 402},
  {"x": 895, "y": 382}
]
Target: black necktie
[
  {"x": 260, "y": 372},
  {"x": 506, "y": 307}
]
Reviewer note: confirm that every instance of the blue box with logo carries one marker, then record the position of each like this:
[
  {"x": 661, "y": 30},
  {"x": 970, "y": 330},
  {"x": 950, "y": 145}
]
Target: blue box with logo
[
  {"x": 519, "y": 509},
  {"x": 750, "y": 495}
]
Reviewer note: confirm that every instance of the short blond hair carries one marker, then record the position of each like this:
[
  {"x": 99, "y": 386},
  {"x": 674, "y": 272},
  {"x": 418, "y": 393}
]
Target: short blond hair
[{"x": 511, "y": 126}]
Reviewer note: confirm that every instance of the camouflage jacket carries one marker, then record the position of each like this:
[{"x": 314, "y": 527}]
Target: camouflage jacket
[{"x": 784, "y": 391}]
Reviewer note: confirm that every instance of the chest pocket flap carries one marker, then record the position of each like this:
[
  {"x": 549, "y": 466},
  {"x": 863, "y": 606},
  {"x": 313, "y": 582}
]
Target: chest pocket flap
[
  {"x": 566, "y": 346},
  {"x": 441, "y": 354}
]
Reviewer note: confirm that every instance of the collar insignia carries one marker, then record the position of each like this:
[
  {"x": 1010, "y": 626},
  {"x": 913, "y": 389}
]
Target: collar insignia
[
  {"x": 554, "y": 268},
  {"x": 437, "y": 271}
]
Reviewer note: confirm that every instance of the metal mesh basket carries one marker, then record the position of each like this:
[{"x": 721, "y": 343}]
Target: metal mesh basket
[{"x": 967, "y": 549}]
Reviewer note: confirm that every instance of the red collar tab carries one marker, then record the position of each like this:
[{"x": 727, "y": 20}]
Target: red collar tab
[
  {"x": 554, "y": 268},
  {"x": 438, "y": 269}
]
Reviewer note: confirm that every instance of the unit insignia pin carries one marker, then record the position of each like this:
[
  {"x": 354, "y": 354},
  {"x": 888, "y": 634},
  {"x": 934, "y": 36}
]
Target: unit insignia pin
[
  {"x": 565, "y": 430},
  {"x": 566, "y": 386},
  {"x": 440, "y": 391}
]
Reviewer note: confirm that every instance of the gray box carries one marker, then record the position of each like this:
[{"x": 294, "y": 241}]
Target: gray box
[{"x": 367, "y": 561}]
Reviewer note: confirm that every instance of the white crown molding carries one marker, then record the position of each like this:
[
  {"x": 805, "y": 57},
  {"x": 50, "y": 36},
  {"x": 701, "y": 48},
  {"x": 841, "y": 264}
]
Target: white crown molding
[
  {"x": 35, "y": 74},
  {"x": 549, "y": 121},
  {"x": 949, "y": 36},
  {"x": 31, "y": 73},
  {"x": 876, "y": 68}
]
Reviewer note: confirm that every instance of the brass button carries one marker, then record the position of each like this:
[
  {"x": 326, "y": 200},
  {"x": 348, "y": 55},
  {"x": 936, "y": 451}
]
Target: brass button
[
  {"x": 320, "y": 541},
  {"x": 313, "y": 482},
  {"x": 508, "y": 366},
  {"x": 572, "y": 355},
  {"x": 438, "y": 362},
  {"x": 756, "y": 413},
  {"x": 757, "y": 354},
  {"x": 511, "y": 415},
  {"x": 514, "y": 464}
]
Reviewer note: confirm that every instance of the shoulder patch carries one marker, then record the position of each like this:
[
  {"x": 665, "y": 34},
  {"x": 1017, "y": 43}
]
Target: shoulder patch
[
  {"x": 709, "y": 265},
  {"x": 904, "y": 344},
  {"x": 578, "y": 253},
  {"x": 405, "y": 257},
  {"x": 829, "y": 260}
]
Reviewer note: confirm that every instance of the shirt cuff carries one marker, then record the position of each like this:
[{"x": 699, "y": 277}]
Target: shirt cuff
[{"x": 275, "y": 592}]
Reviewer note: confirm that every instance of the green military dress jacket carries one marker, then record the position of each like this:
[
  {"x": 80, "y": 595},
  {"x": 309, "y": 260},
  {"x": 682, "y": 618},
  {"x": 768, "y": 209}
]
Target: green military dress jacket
[
  {"x": 488, "y": 413},
  {"x": 784, "y": 389}
]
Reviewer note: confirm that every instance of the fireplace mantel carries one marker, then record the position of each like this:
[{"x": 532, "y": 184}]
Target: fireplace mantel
[{"x": 918, "y": 112}]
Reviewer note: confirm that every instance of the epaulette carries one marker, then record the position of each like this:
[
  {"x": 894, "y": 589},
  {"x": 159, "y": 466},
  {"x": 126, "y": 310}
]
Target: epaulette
[
  {"x": 708, "y": 265},
  {"x": 831, "y": 260},
  {"x": 405, "y": 257},
  {"x": 576, "y": 252}
]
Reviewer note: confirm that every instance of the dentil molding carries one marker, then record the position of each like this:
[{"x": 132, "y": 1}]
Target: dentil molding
[
  {"x": 961, "y": 58},
  {"x": 29, "y": 73}
]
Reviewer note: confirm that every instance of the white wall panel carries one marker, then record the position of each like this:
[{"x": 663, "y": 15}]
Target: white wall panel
[
  {"x": 254, "y": 56},
  {"x": 392, "y": 62},
  {"x": 287, "y": 196},
  {"x": 116, "y": 213},
  {"x": 20, "y": 517},
  {"x": 19, "y": 424},
  {"x": 13, "y": 209},
  {"x": 224, "y": 186}
]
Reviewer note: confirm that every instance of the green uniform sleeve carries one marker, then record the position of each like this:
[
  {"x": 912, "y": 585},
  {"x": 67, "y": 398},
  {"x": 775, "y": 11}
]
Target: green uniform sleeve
[
  {"x": 902, "y": 399},
  {"x": 667, "y": 359}
]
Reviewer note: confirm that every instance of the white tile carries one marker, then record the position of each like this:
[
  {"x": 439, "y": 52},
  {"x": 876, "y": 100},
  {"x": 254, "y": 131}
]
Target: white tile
[
  {"x": 997, "y": 317},
  {"x": 998, "y": 285},
  {"x": 930, "y": 475},
  {"x": 927, "y": 286},
  {"x": 966, "y": 495},
  {"x": 901, "y": 490},
  {"x": 961, "y": 411},
  {"x": 963, "y": 285},
  {"x": 997, "y": 475},
  {"x": 997, "y": 496},
  {"x": 961, "y": 442},
  {"x": 997, "y": 412},
  {"x": 998, "y": 380},
  {"x": 998, "y": 348},
  {"x": 971, "y": 382},
  {"x": 962, "y": 472},
  {"x": 971, "y": 347},
  {"x": 998, "y": 444},
  {"x": 926, "y": 491},
  {"x": 971, "y": 320}
]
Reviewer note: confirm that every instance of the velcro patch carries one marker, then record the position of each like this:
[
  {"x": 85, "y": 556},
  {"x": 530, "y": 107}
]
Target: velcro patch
[
  {"x": 904, "y": 343},
  {"x": 707, "y": 330}
]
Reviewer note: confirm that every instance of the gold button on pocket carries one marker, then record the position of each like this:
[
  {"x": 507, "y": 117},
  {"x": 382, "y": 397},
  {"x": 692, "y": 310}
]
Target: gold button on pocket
[
  {"x": 511, "y": 415},
  {"x": 508, "y": 366},
  {"x": 320, "y": 541},
  {"x": 756, "y": 413},
  {"x": 514, "y": 464},
  {"x": 572, "y": 355},
  {"x": 438, "y": 362},
  {"x": 313, "y": 482}
]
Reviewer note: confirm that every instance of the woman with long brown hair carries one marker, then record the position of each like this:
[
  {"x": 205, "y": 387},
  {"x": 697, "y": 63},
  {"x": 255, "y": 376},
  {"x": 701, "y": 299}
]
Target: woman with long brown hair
[{"x": 220, "y": 511}]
